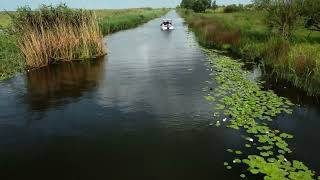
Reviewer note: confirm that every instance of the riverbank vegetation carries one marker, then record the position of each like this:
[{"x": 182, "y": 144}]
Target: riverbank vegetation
[
  {"x": 275, "y": 37},
  {"x": 241, "y": 104},
  {"x": 11, "y": 60},
  {"x": 35, "y": 38},
  {"x": 282, "y": 38},
  {"x": 56, "y": 34},
  {"x": 125, "y": 19}
]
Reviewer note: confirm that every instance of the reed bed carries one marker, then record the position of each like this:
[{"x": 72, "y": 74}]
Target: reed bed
[
  {"x": 56, "y": 34},
  {"x": 49, "y": 34},
  {"x": 245, "y": 36}
]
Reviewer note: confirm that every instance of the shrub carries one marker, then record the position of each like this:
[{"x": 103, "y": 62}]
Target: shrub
[
  {"x": 211, "y": 32},
  {"x": 303, "y": 60},
  {"x": 196, "y": 5},
  {"x": 311, "y": 11},
  {"x": 233, "y": 8},
  {"x": 275, "y": 53}
]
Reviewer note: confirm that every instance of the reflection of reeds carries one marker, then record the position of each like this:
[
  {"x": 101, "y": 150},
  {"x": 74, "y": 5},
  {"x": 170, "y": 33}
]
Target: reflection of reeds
[
  {"x": 54, "y": 85},
  {"x": 57, "y": 33}
]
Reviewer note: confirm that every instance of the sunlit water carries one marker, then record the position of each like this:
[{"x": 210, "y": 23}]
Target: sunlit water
[{"x": 137, "y": 114}]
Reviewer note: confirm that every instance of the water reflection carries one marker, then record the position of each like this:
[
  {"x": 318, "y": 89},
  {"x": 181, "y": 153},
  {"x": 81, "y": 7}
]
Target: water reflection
[{"x": 58, "y": 84}]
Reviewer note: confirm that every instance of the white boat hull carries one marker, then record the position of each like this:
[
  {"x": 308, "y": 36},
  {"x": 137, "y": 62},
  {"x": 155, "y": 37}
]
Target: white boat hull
[{"x": 167, "y": 28}]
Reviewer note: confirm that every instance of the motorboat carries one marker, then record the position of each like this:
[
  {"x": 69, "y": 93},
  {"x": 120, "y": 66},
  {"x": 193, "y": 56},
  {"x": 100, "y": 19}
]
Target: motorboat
[{"x": 167, "y": 24}]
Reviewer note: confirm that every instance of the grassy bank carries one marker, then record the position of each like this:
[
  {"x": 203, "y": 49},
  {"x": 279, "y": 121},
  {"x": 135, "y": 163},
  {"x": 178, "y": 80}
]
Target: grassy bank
[
  {"x": 11, "y": 60},
  {"x": 65, "y": 35},
  {"x": 4, "y": 19},
  {"x": 245, "y": 35},
  {"x": 117, "y": 20}
]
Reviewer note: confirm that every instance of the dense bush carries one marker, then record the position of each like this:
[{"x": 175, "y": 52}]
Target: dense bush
[
  {"x": 233, "y": 8},
  {"x": 196, "y": 5},
  {"x": 311, "y": 11}
]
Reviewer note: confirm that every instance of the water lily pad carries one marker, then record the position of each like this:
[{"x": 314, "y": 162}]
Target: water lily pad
[
  {"x": 238, "y": 152},
  {"x": 250, "y": 109}
]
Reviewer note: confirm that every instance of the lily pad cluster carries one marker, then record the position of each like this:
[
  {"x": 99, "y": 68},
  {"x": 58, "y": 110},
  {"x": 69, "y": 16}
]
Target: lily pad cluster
[{"x": 249, "y": 108}]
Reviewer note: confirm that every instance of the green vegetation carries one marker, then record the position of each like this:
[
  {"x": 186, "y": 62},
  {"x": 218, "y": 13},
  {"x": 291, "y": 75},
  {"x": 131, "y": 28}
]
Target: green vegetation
[
  {"x": 82, "y": 40},
  {"x": 311, "y": 11},
  {"x": 273, "y": 33},
  {"x": 4, "y": 19},
  {"x": 233, "y": 8},
  {"x": 125, "y": 19},
  {"x": 11, "y": 61},
  {"x": 244, "y": 106},
  {"x": 198, "y": 5},
  {"x": 246, "y": 35}
]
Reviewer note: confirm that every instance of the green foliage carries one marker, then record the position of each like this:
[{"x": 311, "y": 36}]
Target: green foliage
[
  {"x": 196, "y": 5},
  {"x": 128, "y": 19},
  {"x": 283, "y": 16},
  {"x": 250, "y": 108},
  {"x": 245, "y": 35},
  {"x": 11, "y": 61},
  {"x": 214, "y": 5},
  {"x": 233, "y": 8},
  {"x": 311, "y": 12}
]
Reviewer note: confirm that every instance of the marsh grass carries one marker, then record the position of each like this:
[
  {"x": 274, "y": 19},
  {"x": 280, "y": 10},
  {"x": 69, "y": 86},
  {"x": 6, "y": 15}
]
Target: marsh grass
[
  {"x": 52, "y": 34},
  {"x": 131, "y": 18},
  {"x": 4, "y": 19},
  {"x": 56, "y": 34},
  {"x": 10, "y": 58},
  {"x": 245, "y": 36}
]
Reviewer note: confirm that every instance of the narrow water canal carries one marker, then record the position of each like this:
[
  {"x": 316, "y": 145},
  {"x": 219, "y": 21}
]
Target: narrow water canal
[{"x": 137, "y": 114}]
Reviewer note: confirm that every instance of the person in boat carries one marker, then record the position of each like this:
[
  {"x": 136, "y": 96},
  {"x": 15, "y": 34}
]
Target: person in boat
[{"x": 164, "y": 23}]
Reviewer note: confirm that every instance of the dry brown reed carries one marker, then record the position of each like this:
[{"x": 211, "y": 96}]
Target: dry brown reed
[{"x": 57, "y": 34}]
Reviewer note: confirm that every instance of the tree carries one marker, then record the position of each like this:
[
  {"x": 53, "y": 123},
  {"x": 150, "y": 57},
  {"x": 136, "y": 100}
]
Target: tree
[
  {"x": 196, "y": 5},
  {"x": 200, "y": 5},
  {"x": 311, "y": 12},
  {"x": 187, "y": 4},
  {"x": 282, "y": 14},
  {"x": 260, "y": 4},
  {"x": 214, "y": 5}
]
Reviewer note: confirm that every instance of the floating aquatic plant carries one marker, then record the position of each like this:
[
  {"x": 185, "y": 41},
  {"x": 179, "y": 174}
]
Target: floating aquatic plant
[{"x": 250, "y": 108}]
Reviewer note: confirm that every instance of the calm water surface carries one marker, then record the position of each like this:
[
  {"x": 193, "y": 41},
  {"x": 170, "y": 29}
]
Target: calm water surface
[{"x": 137, "y": 114}]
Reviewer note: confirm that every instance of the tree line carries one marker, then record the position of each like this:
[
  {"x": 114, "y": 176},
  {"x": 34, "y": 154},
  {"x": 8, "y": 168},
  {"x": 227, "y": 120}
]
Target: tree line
[{"x": 198, "y": 5}]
